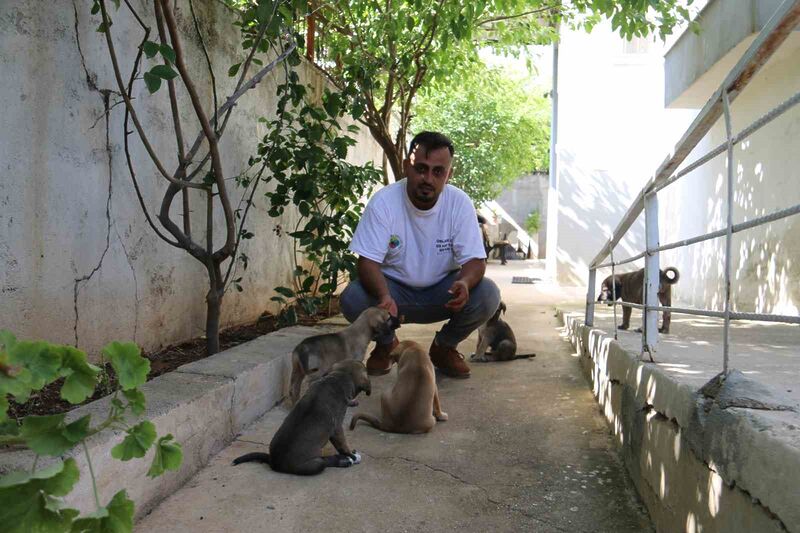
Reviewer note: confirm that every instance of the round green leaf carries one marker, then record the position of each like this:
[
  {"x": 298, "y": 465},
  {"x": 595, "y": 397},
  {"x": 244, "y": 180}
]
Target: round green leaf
[
  {"x": 139, "y": 439},
  {"x": 169, "y": 456},
  {"x": 131, "y": 368},
  {"x": 45, "y": 434}
]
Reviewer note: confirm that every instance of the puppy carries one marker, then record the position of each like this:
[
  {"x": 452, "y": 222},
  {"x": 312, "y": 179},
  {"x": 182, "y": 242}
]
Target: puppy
[
  {"x": 408, "y": 406},
  {"x": 497, "y": 335},
  {"x": 317, "y": 354},
  {"x": 630, "y": 287},
  {"x": 297, "y": 446}
]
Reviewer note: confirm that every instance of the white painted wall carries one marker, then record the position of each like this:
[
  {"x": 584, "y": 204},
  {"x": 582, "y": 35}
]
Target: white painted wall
[
  {"x": 79, "y": 263},
  {"x": 613, "y": 131},
  {"x": 766, "y": 263}
]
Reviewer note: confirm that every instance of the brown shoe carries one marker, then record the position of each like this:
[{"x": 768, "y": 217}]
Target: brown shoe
[
  {"x": 449, "y": 361},
  {"x": 379, "y": 362}
]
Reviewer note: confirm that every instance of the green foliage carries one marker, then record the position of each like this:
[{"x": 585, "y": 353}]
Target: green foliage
[
  {"x": 500, "y": 128},
  {"x": 304, "y": 152},
  {"x": 386, "y": 52},
  {"x": 32, "y": 501},
  {"x": 168, "y": 456},
  {"x": 533, "y": 222},
  {"x": 139, "y": 439},
  {"x": 130, "y": 366}
]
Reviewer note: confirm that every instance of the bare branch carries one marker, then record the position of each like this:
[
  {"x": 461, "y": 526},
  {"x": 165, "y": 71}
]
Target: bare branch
[
  {"x": 129, "y": 104},
  {"x": 216, "y": 160},
  {"x": 517, "y": 15}
]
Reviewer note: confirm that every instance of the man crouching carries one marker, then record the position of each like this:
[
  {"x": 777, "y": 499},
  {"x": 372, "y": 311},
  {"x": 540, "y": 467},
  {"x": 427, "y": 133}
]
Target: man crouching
[{"x": 421, "y": 257}]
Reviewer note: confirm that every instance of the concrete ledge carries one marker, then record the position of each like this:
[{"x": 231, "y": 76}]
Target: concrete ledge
[
  {"x": 697, "y": 466},
  {"x": 204, "y": 404}
]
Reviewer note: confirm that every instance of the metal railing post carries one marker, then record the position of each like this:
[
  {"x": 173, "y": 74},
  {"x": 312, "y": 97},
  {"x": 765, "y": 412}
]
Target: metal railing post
[
  {"x": 652, "y": 274},
  {"x": 726, "y": 104},
  {"x": 614, "y": 292},
  {"x": 589, "y": 316}
]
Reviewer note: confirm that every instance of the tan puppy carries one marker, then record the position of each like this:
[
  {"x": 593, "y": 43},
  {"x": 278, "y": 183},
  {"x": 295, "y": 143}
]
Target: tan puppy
[{"x": 412, "y": 405}]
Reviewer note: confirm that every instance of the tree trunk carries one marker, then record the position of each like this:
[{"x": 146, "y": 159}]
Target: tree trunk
[
  {"x": 213, "y": 311},
  {"x": 216, "y": 290},
  {"x": 384, "y": 139}
]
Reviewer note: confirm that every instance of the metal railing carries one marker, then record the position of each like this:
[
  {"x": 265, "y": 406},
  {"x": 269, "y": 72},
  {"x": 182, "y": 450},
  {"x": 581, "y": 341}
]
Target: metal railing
[{"x": 774, "y": 33}]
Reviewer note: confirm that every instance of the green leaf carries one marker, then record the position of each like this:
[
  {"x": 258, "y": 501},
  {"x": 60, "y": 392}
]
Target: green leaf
[
  {"x": 81, "y": 376},
  {"x": 45, "y": 434},
  {"x": 169, "y": 456},
  {"x": 140, "y": 438},
  {"x": 7, "y": 340},
  {"x": 165, "y": 72},
  {"x": 150, "y": 48},
  {"x": 27, "y": 500},
  {"x": 131, "y": 368},
  {"x": 234, "y": 69},
  {"x": 3, "y": 406},
  {"x": 167, "y": 52},
  {"x": 41, "y": 359},
  {"x": 136, "y": 400},
  {"x": 289, "y": 293},
  {"x": 116, "y": 517},
  {"x": 77, "y": 430},
  {"x": 152, "y": 81}
]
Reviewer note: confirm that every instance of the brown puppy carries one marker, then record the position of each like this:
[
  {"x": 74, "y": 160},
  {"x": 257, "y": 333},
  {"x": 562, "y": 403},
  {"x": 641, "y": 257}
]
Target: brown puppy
[
  {"x": 497, "y": 335},
  {"x": 629, "y": 288},
  {"x": 407, "y": 407},
  {"x": 315, "y": 355},
  {"x": 317, "y": 418}
]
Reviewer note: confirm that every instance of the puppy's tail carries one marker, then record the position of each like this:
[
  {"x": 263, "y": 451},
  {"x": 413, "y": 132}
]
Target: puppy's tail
[
  {"x": 369, "y": 419},
  {"x": 524, "y": 356},
  {"x": 675, "y": 275},
  {"x": 250, "y": 457}
]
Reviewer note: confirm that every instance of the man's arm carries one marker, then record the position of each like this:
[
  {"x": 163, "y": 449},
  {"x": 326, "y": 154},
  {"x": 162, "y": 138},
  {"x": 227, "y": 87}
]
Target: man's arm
[
  {"x": 371, "y": 277},
  {"x": 470, "y": 275}
]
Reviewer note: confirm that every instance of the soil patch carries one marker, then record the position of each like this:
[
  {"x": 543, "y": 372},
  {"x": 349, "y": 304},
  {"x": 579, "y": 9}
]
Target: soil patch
[{"x": 48, "y": 400}]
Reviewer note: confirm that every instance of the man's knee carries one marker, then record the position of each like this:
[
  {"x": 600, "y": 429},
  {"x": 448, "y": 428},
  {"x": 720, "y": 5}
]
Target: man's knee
[
  {"x": 484, "y": 299},
  {"x": 353, "y": 300}
]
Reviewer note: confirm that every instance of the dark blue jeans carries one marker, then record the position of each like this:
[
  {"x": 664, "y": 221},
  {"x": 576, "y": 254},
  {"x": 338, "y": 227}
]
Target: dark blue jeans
[{"x": 426, "y": 306}]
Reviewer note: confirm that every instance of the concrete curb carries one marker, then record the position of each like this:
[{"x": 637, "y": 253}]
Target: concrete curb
[
  {"x": 696, "y": 466},
  {"x": 204, "y": 404}
]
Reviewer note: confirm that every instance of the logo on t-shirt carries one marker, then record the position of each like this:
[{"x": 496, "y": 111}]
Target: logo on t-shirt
[
  {"x": 394, "y": 242},
  {"x": 444, "y": 246}
]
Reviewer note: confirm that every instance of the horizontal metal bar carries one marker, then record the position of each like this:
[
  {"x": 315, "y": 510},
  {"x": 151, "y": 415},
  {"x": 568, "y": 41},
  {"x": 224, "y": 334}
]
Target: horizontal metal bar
[
  {"x": 739, "y": 137},
  {"x": 774, "y": 33},
  {"x": 755, "y": 317},
  {"x": 623, "y": 262},
  {"x": 766, "y": 219}
]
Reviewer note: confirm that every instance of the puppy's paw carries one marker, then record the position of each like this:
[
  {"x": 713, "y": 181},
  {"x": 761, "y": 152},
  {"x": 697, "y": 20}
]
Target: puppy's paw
[
  {"x": 622, "y": 326},
  {"x": 441, "y": 417},
  {"x": 356, "y": 457},
  {"x": 352, "y": 403}
]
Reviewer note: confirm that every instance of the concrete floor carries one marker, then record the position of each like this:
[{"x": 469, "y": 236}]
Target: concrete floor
[{"x": 525, "y": 449}]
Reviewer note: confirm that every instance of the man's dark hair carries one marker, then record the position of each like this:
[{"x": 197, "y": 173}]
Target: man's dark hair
[{"x": 430, "y": 140}]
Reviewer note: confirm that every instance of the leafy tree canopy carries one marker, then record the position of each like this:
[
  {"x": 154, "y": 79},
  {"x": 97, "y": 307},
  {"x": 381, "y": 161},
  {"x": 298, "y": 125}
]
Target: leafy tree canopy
[
  {"x": 389, "y": 49},
  {"x": 500, "y": 128}
]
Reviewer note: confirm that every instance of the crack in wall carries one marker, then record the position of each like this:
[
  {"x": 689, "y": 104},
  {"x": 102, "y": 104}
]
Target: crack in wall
[
  {"x": 461, "y": 480},
  {"x": 105, "y": 95},
  {"x": 136, "y": 300}
]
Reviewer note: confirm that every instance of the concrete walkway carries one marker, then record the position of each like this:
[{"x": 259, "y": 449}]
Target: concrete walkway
[{"x": 525, "y": 449}]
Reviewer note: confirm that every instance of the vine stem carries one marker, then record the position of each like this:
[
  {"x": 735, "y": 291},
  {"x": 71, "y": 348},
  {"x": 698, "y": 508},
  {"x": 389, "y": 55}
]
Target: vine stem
[
  {"x": 91, "y": 473},
  {"x": 35, "y": 462}
]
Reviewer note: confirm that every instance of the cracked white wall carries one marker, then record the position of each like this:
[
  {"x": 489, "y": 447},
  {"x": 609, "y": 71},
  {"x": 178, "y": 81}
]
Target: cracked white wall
[{"x": 80, "y": 265}]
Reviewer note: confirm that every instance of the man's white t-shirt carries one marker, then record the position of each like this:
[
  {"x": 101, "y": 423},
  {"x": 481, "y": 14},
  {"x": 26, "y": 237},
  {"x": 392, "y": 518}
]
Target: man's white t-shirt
[{"x": 415, "y": 247}]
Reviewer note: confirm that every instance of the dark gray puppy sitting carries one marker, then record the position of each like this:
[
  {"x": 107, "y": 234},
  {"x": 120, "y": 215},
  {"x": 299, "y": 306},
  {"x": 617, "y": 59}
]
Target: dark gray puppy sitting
[
  {"x": 497, "y": 335},
  {"x": 317, "y": 418}
]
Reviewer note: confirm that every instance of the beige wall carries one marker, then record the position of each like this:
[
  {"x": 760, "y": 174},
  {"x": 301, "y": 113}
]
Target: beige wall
[
  {"x": 613, "y": 131},
  {"x": 766, "y": 260},
  {"x": 78, "y": 262}
]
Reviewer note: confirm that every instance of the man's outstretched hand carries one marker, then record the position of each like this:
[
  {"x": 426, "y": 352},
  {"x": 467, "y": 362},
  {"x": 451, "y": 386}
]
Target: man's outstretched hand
[
  {"x": 388, "y": 303},
  {"x": 460, "y": 292}
]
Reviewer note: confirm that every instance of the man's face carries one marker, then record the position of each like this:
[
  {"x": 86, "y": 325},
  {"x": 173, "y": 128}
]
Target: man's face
[{"x": 427, "y": 173}]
